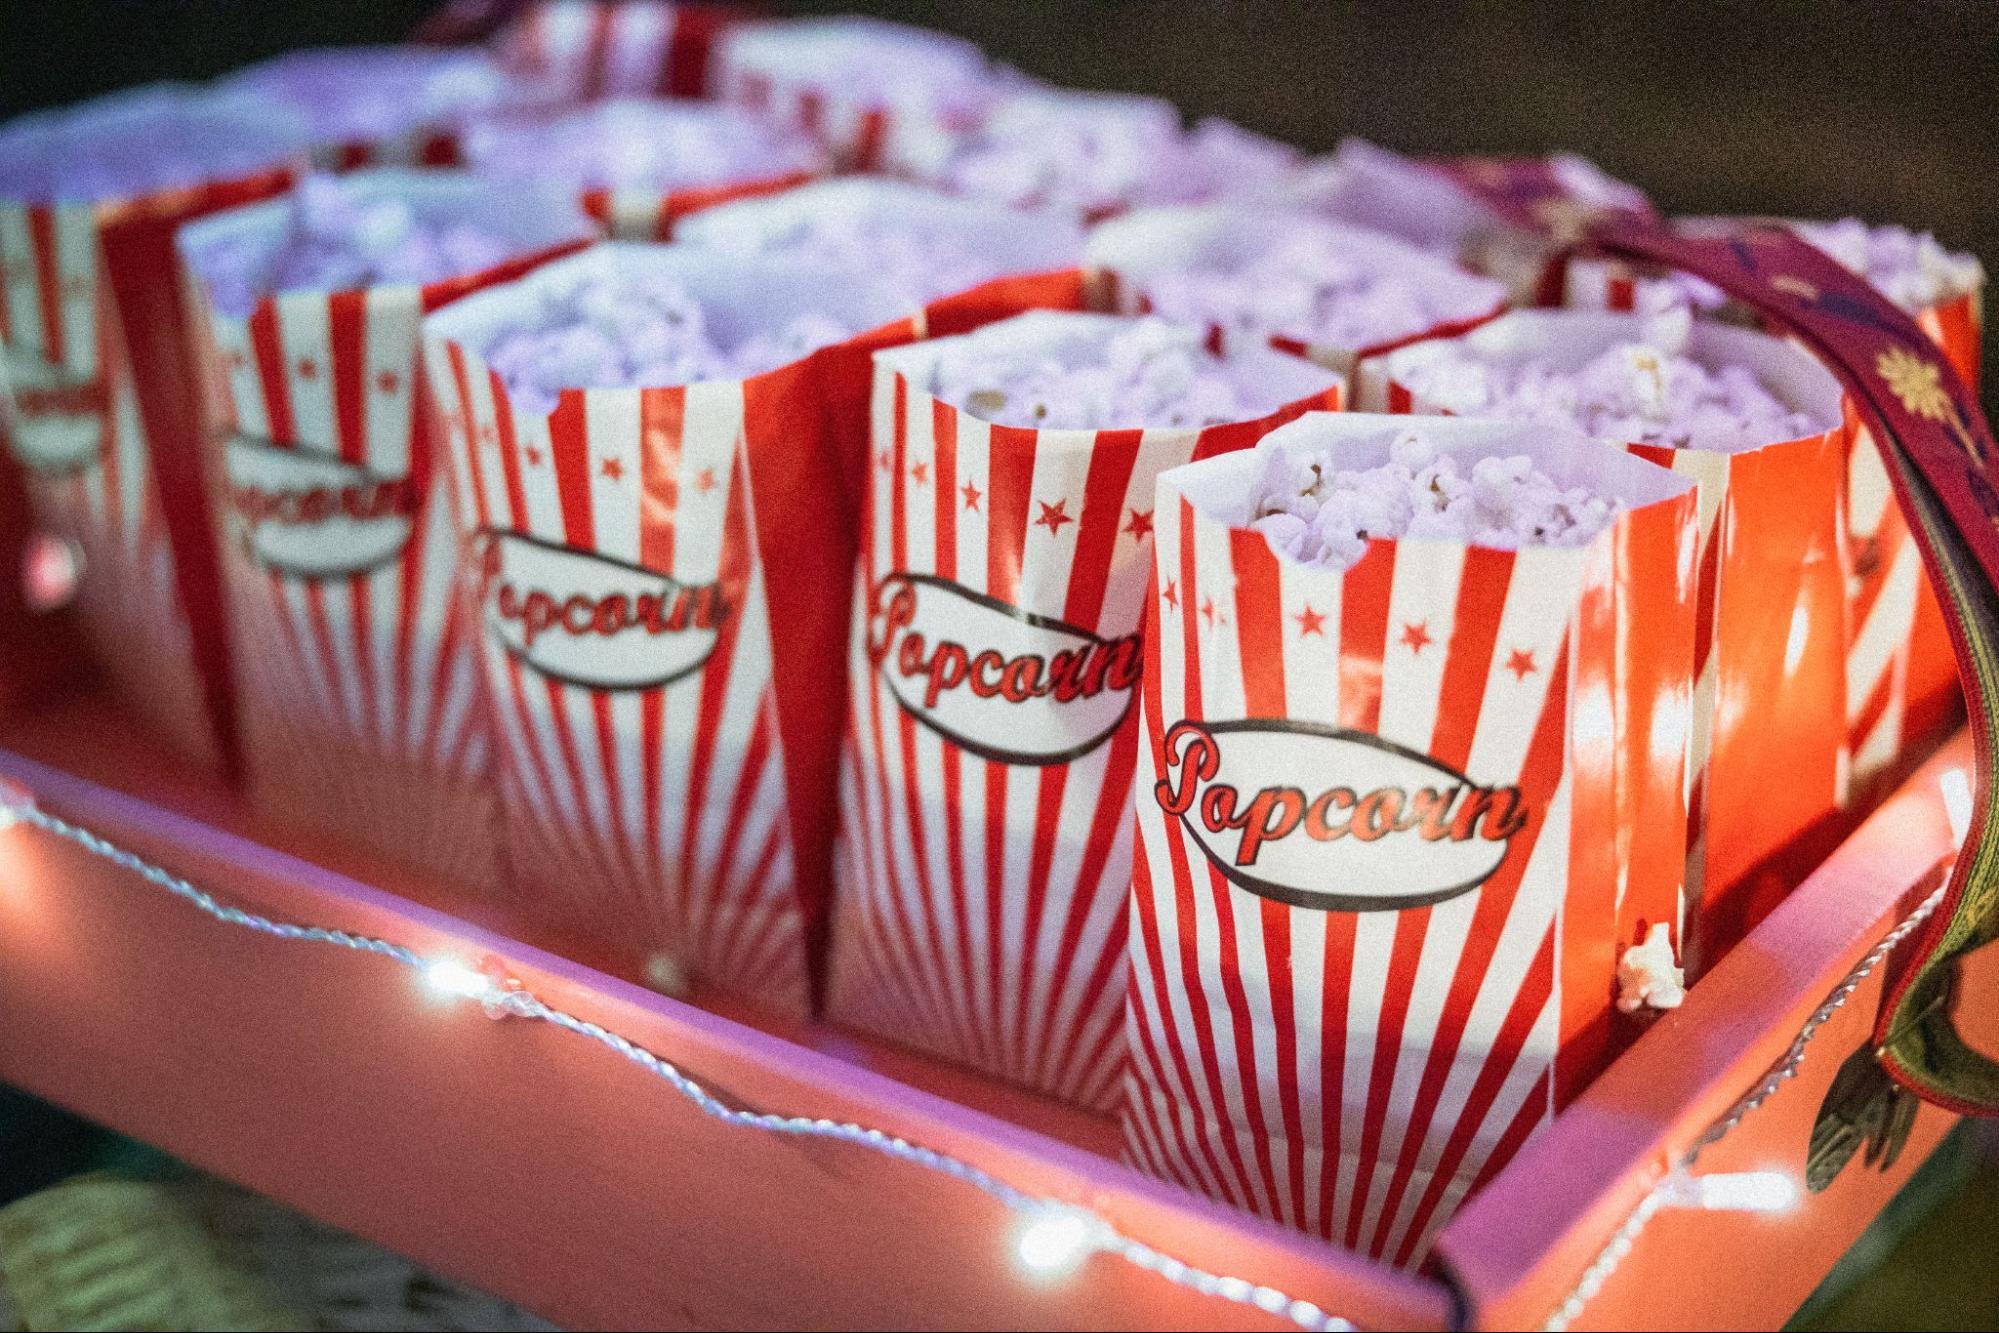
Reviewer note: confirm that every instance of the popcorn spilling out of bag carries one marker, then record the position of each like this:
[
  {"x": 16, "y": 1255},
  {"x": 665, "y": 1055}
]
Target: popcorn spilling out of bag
[
  {"x": 339, "y": 239},
  {"x": 160, "y": 137},
  {"x": 363, "y": 93},
  {"x": 1645, "y": 391},
  {"x": 1325, "y": 517},
  {"x": 640, "y": 144},
  {"x": 1151, "y": 373},
  {"x": 1309, "y": 286},
  {"x": 637, "y": 331},
  {"x": 1098, "y": 153}
]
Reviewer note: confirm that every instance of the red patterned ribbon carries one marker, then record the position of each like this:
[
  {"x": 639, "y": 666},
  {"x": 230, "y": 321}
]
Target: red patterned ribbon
[{"x": 1944, "y": 468}]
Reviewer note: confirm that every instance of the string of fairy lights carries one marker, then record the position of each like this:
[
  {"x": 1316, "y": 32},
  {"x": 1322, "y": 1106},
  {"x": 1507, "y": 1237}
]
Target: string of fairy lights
[{"x": 1050, "y": 1238}]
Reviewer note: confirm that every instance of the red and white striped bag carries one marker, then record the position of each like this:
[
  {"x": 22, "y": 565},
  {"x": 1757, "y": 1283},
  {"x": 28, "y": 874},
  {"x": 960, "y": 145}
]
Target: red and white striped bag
[
  {"x": 510, "y": 144},
  {"x": 1128, "y": 255},
  {"x": 1902, "y": 686},
  {"x": 99, "y": 402},
  {"x": 582, "y": 50},
  {"x": 1345, "y": 1013},
  {"x": 340, "y": 556},
  {"x": 866, "y": 88},
  {"x": 1770, "y": 681},
  {"x": 1033, "y": 257},
  {"x": 986, "y": 795},
  {"x": 646, "y": 559}
]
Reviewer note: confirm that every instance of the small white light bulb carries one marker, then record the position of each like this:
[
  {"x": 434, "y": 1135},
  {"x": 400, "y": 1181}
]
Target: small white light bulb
[
  {"x": 1767, "y": 1192},
  {"x": 451, "y": 978},
  {"x": 1053, "y": 1241}
]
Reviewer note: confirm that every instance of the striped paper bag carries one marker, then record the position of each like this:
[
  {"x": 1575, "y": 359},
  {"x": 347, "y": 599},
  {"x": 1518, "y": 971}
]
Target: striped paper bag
[
  {"x": 986, "y": 796},
  {"x": 340, "y": 558},
  {"x": 101, "y": 404},
  {"x": 583, "y": 50},
  {"x": 1901, "y": 686},
  {"x": 1028, "y": 260},
  {"x": 1129, "y": 255},
  {"x": 1770, "y": 676},
  {"x": 729, "y": 154},
  {"x": 645, "y": 560},
  {"x": 868, "y": 89},
  {"x": 1396, "y": 826}
]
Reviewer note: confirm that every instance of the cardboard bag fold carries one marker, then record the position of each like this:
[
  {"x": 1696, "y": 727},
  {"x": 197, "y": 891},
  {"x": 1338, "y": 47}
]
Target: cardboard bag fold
[
  {"x": 1397, "y": 824},
  {"x": 340, "y": 557},
  {"x": 662, "y": 577},
  {"x": 1128, "y": 255},
  {"x": 986, "y": 793},
  {"x": 1030, "y": 258},
  {"x": 581, "y": 50},
  {"x": 1902, "y": 687},
  {"x": 862, "y": 86},
  {"x": 100, "y": 404},
  {"x": 1770, "y": 671}
]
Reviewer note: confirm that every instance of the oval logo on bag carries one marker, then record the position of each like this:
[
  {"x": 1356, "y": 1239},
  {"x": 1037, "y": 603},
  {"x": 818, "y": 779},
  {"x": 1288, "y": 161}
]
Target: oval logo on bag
[
  {"x": 1339, "y": 820},
  {"x": 54, "y": 426},
  {"x": 998, "y": 681},
  {"x": 591, "y": 621},
  {"x": 313, "y": 516}
]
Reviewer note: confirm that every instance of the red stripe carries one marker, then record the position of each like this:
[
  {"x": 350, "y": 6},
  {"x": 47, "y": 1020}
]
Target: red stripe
[
  {"x": 1482, "y": 591},
  {"x": 1334, "y": 998},
  {"x": 1113, "y": 456},
  {"x": 510, "y": 454},
  {"x": 732, "y": 573},
  {"x": 741, "y": 804},
  {"x": 597, "y": 52},
  {"x": 870, "y": 140},
  {"x": 462, "y": 380},
  {"x": 267, "y": 348},
  {"x": 569, "y": 446},
  {"x": 48, "y": 281},
  {"x": 662, "y": 436},
  {"x": 1364, "y": 597},
  {"x": 1009, "y": 487},
  {"x": 347, "y": 337}
]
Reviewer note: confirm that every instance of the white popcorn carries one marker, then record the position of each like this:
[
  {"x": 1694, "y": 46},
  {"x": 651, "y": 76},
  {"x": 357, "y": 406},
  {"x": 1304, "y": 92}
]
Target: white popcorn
[
  {"x": 1647, "y": 975},
  {"x": 376, "y": 92},
  {"x": 1323, "y": 516},
  {"x": 339, "y": 240},
  {"x": 1642, "y": 392},
  {"x": 641, "y": 145},
  {"x": 635, "y": 331},
  {"x": 1312, "y": 286},
  {"x": 922, "y": 262},
  {"x": 137, "y": 142},
  {"x": 1150, "y": 373},
  {"x": 1910, "y": 268},
  {"x": 1098, "y": 153}
]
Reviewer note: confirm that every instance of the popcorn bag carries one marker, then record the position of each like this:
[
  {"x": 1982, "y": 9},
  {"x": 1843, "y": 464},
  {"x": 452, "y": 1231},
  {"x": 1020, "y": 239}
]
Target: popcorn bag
[
  {"x": 1399, "y": 824},
  {"x": 1331, "y": 292},
  {"x": 339, "y": 555},
  {"x": 864, "y": 87},
  {"x": 98, "y": 385},
  {"x": 380, "y": 105},
  {"x": 644, "y": 559},
  {"x": 995, "y": 655},
  {"x": 583, "y": 50},
  {"x": 1902, "y": 685},
  {"x": 965, "y": 263},
  {"x": 1767, "y": 744},
  {"x": 640, "y": 166}
]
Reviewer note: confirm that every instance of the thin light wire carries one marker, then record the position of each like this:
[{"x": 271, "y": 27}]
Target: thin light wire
[
  {"x": 513, "y": 1000},
  {"x": 1625, "y": 1238}
]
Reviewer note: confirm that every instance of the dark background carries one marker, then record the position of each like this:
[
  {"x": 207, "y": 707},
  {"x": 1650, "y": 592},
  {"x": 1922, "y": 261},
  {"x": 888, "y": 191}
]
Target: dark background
[{"x": 1887, "y": 110}]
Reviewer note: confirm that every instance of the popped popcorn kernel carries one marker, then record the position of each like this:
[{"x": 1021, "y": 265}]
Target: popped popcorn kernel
[
  {"x": 1151, "y": 373},
  {"x": 1325, "y": 516}
]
